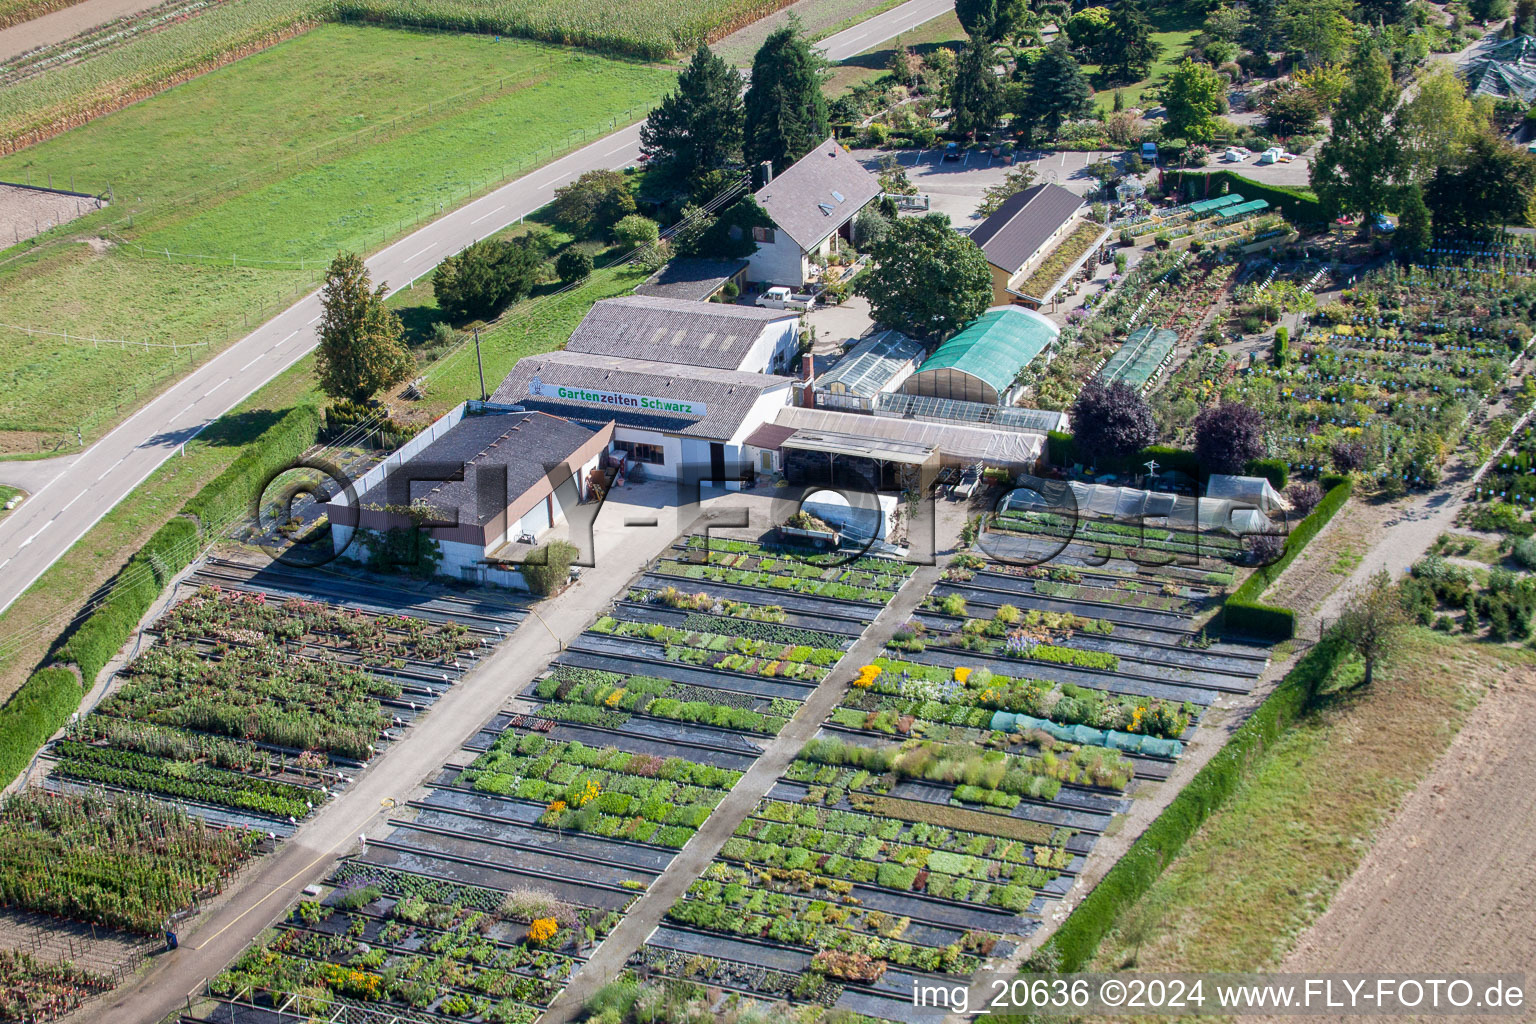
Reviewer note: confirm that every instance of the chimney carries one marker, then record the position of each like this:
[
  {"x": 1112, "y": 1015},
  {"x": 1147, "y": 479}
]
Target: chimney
[
  {"x": 808, "y": 375},
  {"x": 765, "y": 171}
]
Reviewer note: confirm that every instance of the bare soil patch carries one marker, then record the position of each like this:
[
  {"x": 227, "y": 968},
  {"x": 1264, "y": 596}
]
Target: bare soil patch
[
  {"x": 25, "y": 212},
  {"x": 1451, "y": 883}
]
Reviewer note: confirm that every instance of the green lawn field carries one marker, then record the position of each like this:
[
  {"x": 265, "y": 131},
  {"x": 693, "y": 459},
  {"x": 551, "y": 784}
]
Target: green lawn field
[
  {"x": 1172, "y": 31},
  {"x": 325, "y": 142}
]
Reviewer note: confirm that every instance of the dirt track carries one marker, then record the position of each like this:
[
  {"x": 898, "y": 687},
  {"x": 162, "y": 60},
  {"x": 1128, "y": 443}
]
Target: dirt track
[
  {"x": 65, "y": 24},
  {"x": 1451, "y": 884}
]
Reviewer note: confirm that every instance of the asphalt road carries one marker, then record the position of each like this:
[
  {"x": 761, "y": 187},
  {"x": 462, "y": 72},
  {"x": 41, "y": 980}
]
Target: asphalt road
[
  {"x": 874, "y": 31},
  {"x": 62, "y": 507}
]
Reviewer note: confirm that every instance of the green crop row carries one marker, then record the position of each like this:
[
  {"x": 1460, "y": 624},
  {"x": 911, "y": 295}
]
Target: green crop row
[
  {"x": 46, "y": 700},
  {"x": 1079, "y": 936}
]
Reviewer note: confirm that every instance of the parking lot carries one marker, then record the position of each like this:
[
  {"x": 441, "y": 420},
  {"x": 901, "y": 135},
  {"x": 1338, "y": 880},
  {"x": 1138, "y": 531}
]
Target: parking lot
[{"x": 956, "y": 187}]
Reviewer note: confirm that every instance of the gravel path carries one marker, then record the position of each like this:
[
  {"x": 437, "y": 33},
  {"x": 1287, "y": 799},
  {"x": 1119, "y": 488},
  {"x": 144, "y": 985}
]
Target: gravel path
[{"x": 54, "y": 28}]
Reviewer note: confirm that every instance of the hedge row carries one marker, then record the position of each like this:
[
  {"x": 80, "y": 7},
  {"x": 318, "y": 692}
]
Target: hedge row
[
  {"x": 49, "y": 696},
  {"x": 230, "y": 495},
  {"x": 35, "y": 712},
  {"x": 1079, "y": 936},
  {"x": 1299, "y": 205},
  {"x": 1242, "y": 611}
]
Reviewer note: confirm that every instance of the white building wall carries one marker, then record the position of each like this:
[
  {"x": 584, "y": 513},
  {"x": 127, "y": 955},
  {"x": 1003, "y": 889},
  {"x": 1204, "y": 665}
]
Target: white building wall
[
  {"x": 774, "y": 346},
  {"x": 778, "y": 262}
]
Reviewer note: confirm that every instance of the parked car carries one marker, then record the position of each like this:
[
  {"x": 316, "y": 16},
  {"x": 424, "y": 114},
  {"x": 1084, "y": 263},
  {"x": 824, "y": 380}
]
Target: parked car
[
  {"x": 1383, "y": 225},
  {"x": 952, "y": 151},
  {"x": 1149, "y": 152},
  {"x": 782, "y": 298}
]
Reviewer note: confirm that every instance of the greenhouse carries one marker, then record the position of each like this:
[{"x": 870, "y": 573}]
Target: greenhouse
[
  {"x": 979, "y": 363},
  {"x": 1145, "y": 352}
]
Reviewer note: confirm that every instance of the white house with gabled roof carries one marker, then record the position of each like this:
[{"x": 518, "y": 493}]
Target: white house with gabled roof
[{"x": 811, "y": 202}]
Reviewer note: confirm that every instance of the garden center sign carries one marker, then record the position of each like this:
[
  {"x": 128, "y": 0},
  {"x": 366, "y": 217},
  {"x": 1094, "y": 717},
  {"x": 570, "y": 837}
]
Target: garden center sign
[{"x": 537, "y": 388}]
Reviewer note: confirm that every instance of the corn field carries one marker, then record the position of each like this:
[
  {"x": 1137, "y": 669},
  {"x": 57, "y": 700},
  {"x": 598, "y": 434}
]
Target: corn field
[{"x": 648, "y": 29}]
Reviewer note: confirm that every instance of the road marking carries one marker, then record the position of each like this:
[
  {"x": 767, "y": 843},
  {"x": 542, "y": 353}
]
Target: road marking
[
  {"x": 409, "y": 258},
  {"x": 617, "y": 149},
  {"x": 5, "y": 563},
  {"x": 482, "y": 217},
  {"x": 253, "y": 362},
  {"x": 312, "y": 319},
  {"x": 68, "y": 503},
  {"x": 285, "y": 340},
  {"x": 551, "y": 181}
]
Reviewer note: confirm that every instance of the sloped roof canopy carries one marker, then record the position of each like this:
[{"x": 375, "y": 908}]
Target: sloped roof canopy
[
  {"x": 817, "y": 194},
  {"x": 665, "y": 330},
  {"x": 980, "y": 362},
  {"x": 1024, "y": 223}
]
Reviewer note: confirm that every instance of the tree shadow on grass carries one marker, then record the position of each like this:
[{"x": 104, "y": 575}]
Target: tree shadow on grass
[{"x": 240, "y": 428}]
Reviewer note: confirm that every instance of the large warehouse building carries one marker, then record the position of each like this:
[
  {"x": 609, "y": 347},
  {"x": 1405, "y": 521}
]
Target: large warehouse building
[{"x": 665, "y": 415}]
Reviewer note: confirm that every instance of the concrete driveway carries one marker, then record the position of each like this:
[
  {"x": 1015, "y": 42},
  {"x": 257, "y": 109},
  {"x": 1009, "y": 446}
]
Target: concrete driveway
[{"x": 957, "y": 187}]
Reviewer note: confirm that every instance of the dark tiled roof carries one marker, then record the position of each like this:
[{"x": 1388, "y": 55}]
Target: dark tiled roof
[
  {"x": 690, "y": 278},
  {"x": 1023, "y": 223},
  {"x": 769, "y": 435},
  {"x": 522, "y": 442},
  {"x": 803, "y": 201},
  {"x": 728, "y": 395},
  {"x": 714, "y": 334}
]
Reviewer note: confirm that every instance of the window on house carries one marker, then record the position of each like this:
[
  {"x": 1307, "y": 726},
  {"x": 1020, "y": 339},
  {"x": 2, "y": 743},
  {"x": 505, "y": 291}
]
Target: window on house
[
  {"x": 764, "y": 235},
  {"x": 641, "y": 452}
]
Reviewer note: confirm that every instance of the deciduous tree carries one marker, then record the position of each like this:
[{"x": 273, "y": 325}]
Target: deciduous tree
[
  {"x": 635, "y": 230},
  {"x": 1021, "y": 177},
  {"x": 594, "y": 202},
  {"x": 1439, "y": 122},
  {"x": 1372, "y": 622},
  {"x": 1110, "y": 418},
  {"x": 1193, "y": 97},
  {"x": 928, "y": 279},
  {"x": 1292, "y": 111},
  {"x": 1228, "y": 436},
  {"x": 360, "y": 351},
  {"x": 1489, "y": 187}
]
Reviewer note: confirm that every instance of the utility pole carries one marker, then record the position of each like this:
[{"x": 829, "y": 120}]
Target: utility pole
[{"x": 480, "y": 364}]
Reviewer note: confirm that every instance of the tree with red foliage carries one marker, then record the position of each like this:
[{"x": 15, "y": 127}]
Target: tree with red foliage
[
  {"x": 1111, "y": 418},
  {"x": 1228, "y": 436}
]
